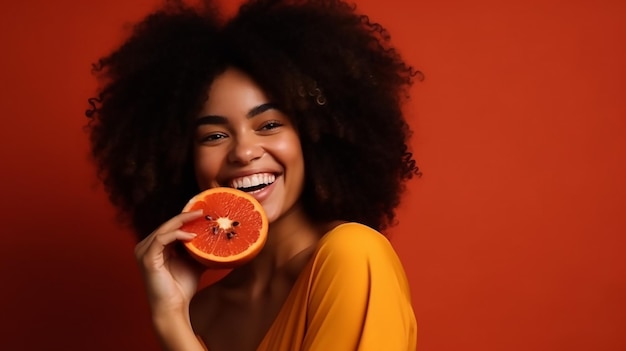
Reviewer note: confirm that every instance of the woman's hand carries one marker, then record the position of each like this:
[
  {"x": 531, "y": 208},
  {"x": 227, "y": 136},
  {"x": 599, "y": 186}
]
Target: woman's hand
[{"x": 170, "y": 278}]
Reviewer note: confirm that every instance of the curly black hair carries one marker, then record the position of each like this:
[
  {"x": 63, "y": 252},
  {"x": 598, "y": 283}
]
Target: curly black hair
[{"x": 332, "y": 70}]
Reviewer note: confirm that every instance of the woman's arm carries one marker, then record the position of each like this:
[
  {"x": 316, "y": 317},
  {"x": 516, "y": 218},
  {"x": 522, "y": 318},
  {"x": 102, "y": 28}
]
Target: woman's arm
[
  {"x": 359, "y": 296},
  {"x": 171, "y": 281}
]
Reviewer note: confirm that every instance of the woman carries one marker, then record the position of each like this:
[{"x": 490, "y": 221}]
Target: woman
[{"x": 301, "y": 102}]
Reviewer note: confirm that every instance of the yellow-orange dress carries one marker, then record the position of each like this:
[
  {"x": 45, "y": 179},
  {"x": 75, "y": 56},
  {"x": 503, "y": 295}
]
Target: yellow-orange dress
[{"x": 352, "y": 295}]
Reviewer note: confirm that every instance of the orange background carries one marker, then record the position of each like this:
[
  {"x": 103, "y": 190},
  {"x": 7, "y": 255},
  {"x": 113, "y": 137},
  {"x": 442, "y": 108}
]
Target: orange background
[{"x": 513, "y": 239}]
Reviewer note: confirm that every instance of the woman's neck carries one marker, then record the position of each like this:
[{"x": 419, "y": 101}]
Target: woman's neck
[{"x": 291, "y": 240}]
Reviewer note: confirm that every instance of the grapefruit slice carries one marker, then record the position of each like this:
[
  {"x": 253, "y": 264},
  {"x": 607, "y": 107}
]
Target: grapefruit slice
[{"x": 231, "y": 231}]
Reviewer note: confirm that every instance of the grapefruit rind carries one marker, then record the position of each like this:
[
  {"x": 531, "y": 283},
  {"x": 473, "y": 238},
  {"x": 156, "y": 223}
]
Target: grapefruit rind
[{"x": 215, "y": 261}]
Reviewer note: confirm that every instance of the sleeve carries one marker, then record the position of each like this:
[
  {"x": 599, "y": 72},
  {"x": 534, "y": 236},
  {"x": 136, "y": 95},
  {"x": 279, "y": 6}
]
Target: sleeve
[{"x": 358, "y": 295}]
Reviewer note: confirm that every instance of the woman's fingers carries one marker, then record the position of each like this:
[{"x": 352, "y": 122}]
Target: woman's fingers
[
  {"x": 153, "y": 255},
  {"x": 152, "y": 247},
  {"x": 169, "y": 278},
  {"x": 178, "y": 221}
]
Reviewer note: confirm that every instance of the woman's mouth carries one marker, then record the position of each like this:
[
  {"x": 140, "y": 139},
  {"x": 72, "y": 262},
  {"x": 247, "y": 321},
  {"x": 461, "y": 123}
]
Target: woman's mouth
[{"x": 253, "y": 182}]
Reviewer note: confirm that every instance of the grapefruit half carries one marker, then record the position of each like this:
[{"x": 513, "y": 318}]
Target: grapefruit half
[{"x": 232, "y": 229}]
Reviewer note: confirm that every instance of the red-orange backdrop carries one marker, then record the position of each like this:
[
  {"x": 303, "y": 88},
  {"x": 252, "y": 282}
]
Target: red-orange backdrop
[{"x": 512, "y": 240}]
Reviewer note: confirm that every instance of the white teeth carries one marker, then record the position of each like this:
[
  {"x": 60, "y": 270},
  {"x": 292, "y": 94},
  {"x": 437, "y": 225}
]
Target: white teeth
[{"x": 253, "y": 180}]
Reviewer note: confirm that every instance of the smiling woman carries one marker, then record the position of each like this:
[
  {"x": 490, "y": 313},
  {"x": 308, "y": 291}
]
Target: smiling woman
[
  {"x": 245, "y": 141},
  {"x": 297, "y": 103}
]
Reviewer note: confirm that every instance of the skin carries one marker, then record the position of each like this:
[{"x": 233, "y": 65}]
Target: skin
[{"x": 239, "y": 133}]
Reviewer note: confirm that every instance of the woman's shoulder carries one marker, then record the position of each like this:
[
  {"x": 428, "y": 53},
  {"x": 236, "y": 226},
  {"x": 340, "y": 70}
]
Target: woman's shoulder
[
  {"x": 351, "y": 239},
  {"x": 356, "y": 254},
  {"x": 353, "y": 233}
]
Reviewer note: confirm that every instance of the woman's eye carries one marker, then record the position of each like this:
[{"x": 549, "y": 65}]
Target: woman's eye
[
  {"x": 208, "y": 138},
  {"x": 271, "y": 125}
]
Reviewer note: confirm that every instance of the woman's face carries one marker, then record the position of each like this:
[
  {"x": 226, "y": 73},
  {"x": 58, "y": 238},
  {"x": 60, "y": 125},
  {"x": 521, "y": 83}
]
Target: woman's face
[{"x": 243, "y": 141}]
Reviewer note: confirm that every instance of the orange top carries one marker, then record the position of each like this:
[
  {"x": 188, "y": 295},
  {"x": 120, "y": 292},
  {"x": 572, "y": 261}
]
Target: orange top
[{"x": 352, "y": 295}]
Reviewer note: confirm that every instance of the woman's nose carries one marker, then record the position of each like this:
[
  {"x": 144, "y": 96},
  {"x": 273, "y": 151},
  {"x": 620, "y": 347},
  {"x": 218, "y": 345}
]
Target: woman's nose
[{"x": 245, "y": 149}]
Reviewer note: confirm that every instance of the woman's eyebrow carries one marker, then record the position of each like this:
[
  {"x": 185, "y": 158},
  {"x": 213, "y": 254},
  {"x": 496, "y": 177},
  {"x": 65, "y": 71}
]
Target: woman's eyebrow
[
  {"x": 210, "y": 119},
  {"x": 255, "y": 111},
  {"x": 261, "y": 108}
]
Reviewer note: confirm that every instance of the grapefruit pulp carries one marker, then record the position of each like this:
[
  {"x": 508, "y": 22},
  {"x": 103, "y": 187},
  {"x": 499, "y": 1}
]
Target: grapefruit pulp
[{"x": 232, "y": 229}]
